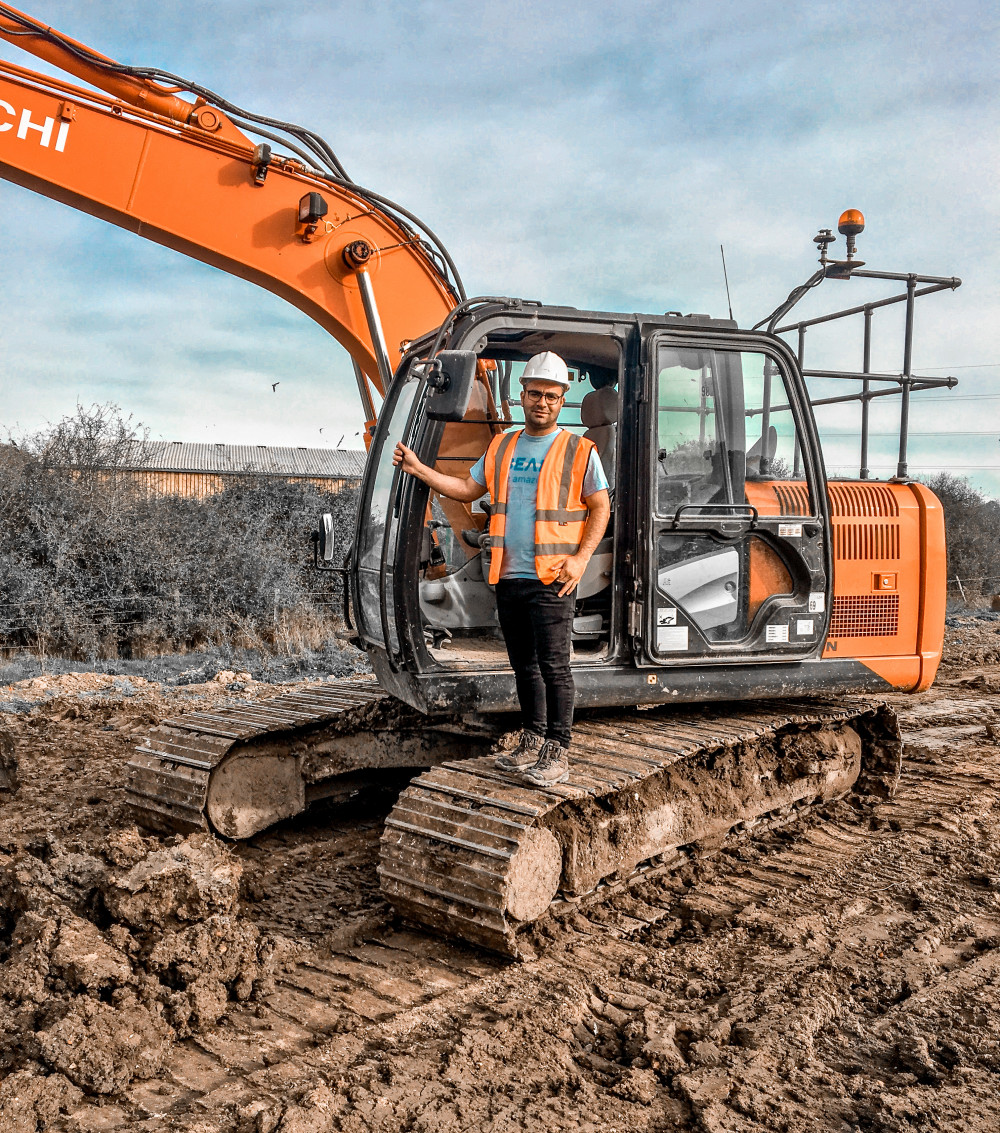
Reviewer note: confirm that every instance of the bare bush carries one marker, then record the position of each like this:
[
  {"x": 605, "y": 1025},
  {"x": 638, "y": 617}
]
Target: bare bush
[
  {"x": 93, "y": 566},
  {"x": 972, "y": 525},
  {"x": 96, "y": 443}
]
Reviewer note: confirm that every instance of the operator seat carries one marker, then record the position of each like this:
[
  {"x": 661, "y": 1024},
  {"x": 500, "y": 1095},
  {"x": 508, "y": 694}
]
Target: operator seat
[{"x": 599, "y": 413}]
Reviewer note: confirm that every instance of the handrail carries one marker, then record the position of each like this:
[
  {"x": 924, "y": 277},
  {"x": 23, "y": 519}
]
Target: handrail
[{"x": 754, "y": 515}]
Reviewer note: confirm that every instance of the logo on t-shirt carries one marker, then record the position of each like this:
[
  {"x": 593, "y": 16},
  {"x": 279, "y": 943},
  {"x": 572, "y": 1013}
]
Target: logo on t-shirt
[{"x": 525, "y": 464}]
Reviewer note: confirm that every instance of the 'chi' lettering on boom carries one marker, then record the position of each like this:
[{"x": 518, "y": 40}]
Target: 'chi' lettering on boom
[{"x": 26, "y": 125}]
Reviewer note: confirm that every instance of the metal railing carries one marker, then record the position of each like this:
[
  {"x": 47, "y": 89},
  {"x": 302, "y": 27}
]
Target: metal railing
[{"x": 906, "y": 382}]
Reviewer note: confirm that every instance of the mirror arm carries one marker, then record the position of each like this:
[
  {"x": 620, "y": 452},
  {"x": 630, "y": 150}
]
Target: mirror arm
[
  {"x": 343, "y": 571},
  {"x": 317, "y": 565}
]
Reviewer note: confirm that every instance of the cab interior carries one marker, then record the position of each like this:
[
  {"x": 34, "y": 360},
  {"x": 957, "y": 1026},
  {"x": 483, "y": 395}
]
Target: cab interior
[{"x": 457, "y": 604}]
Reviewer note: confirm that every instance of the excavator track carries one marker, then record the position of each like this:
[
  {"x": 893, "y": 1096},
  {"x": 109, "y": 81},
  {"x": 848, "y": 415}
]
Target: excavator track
[
  {"x": 476, "y": 854},
  {"x": 240, "y": 768},
  {"x": 169, "y": 775},
  {"x": 479, "y": 855}
]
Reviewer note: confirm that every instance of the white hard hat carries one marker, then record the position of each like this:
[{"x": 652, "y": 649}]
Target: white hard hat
[{"x": 546, "y": 367}]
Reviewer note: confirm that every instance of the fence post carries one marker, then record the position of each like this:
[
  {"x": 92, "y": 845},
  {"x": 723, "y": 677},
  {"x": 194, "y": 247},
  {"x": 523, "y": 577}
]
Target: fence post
[
  {"x": 277, "y": 597},
  {"x": 960, "y": 589}
]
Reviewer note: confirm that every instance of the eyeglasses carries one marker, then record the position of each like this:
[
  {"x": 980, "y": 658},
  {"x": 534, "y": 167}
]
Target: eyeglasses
[{"x": 538, "y": 395}]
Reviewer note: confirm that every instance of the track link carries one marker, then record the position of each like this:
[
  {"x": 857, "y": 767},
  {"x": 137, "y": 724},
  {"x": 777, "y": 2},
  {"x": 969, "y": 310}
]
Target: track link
[{"x": 474, "y": 853}]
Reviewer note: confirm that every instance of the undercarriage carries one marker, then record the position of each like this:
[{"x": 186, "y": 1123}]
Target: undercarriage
[{"x": 476, "y": 854}]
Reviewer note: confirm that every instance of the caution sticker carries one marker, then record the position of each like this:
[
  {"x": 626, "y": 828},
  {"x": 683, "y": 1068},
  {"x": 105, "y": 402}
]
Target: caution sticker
[
  {"x": 666, "y": 616},
  {"x": 789, "y": 530},
  {"x": 804, "y": 627},
  {"x": 671, "y": 639},
  {"x": 817, "y": 602},
  {"x": 777, "y": 633}
]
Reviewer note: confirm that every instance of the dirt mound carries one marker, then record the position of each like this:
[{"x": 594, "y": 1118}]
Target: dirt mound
[
  {"x": 30, "y": 1101},
  {"x": 971, "y": 640},
  {"x": 67, "y": 684},
  {"x": 106, "y": 958}
]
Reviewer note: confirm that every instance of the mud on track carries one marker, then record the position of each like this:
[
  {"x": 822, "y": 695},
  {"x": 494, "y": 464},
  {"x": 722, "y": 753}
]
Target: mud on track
[{"x": 842, "y": 973}]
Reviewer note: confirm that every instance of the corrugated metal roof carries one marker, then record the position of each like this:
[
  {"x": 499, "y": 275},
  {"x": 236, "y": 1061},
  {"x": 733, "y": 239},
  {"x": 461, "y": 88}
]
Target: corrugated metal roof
[{"x": 178, "y": 456}]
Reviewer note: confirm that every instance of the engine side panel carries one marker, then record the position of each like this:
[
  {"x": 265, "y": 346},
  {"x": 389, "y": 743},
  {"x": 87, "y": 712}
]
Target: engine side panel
[{"x": 889, "y": 574}]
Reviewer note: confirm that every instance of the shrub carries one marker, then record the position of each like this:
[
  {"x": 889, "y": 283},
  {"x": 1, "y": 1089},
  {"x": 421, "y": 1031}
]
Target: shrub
[
  {"x": 93, "y": 566},
  {"x": 972, "y": 526}
]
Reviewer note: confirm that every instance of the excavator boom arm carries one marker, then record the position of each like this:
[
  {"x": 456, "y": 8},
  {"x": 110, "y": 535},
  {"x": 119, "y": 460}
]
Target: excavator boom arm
[{"x": 181, "y": 174}]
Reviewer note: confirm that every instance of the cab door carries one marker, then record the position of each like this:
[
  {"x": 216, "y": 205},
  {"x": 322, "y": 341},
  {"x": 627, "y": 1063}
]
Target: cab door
[{"x": 735, "y": 522}]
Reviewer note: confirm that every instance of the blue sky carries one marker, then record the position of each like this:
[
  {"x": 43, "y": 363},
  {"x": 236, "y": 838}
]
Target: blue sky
[{"x": 580, "y": 153}]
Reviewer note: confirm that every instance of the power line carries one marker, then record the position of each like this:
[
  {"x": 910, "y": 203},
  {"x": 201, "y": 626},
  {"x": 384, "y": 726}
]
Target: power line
[
  {"x": 946, "y": 467},
  {"x": 942, "y": 435},
  {"x": 974, "y": 366}
]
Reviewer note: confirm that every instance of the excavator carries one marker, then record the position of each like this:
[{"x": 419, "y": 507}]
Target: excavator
[{"x": 732, "y": 634}]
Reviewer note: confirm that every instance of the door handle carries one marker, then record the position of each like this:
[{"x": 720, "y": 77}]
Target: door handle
[{"x": 742, "y": 512}]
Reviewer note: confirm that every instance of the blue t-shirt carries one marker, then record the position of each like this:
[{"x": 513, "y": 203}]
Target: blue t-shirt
[{"x": 522, "y": 494}]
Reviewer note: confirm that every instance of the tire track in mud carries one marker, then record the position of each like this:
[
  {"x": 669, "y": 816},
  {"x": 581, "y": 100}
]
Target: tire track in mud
[
  {"x": 366, "y": 982},
  {"x": 861, "y": 1021},
  {"x": 316, "y": 884}
]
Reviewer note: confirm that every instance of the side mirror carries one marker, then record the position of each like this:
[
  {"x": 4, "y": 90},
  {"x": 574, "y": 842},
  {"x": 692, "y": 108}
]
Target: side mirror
[
  {"x": 327, "y": 538},
  {"x": 452, "y": 373}
]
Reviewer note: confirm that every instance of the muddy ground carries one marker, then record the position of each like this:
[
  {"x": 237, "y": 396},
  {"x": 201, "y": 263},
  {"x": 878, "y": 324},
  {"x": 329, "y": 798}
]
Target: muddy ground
[{"x": 840, "y": 974}]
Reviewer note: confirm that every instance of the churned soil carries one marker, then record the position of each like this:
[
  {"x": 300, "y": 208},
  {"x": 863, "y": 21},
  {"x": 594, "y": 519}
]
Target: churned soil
[{"x": 841, "y": 973}]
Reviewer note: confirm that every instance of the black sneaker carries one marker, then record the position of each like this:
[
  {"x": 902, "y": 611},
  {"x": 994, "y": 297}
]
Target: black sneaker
[
  {"x": 552, "y": 766},
  {"x": 524, "y": 755}
]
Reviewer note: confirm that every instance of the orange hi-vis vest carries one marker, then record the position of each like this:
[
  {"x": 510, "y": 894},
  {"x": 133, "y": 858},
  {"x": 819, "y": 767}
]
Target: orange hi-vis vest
[{"x": 560, "y": 511}]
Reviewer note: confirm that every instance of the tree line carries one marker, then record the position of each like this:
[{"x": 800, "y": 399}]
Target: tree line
[{"x": 972, "y": 528}]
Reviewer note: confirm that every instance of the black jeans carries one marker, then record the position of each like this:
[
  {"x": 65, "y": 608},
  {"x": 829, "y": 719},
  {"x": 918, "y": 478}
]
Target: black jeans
[{"x": 537, "y": 625}]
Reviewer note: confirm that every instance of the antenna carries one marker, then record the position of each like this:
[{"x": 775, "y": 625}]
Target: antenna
[{"x": 725, "y": 276}]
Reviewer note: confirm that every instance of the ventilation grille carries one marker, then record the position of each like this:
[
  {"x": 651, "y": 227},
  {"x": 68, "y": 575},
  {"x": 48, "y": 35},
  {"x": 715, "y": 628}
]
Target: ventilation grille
[
  {"x": 859, "y": 615},
  {"x": 793, "y": 499},
  {"x": 863, "y": 500},
  {"x": 854, "y": 500},
  {"x": 866, "y": 540}
]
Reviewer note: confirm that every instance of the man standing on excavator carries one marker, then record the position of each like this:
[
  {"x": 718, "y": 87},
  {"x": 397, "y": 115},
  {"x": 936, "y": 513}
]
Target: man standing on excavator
[{"x": 549, "y": 510}]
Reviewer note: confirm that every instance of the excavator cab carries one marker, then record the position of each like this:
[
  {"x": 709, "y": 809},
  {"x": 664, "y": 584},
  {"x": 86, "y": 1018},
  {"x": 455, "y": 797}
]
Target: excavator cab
[{"x": 718, "y": 550}]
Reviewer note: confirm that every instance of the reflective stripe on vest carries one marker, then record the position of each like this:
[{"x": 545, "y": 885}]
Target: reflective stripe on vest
[
  {"x": 561, "y": 514},
  {"x": 497, "y": 468}
]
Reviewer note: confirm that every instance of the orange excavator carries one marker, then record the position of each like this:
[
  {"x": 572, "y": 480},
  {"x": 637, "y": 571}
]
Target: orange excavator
[{"x": 731, "y": 629}]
